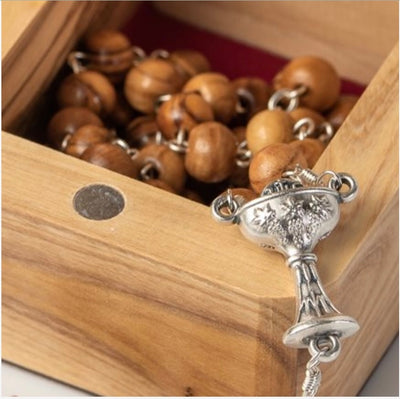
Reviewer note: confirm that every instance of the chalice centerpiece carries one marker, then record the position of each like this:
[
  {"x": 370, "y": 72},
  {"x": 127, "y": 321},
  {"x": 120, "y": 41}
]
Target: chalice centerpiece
[{"x": 291, "y": 216}]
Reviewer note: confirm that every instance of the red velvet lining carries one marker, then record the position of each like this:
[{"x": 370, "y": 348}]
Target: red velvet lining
[{"x": 151, "y": 29}]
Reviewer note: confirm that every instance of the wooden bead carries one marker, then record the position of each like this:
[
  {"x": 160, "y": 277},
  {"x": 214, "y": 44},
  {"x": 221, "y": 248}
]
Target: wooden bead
[
  {"x": 253, "y": 93},
  {"x": 340, "y": 110},
  {"x": 183, "y": 111},
  {"x": 68, "y": 121},
  {"x": 269, "y": 164},
  {"x": 268, "y": 127},
  {"x": 167, "y": 165},
  {"x": 218, "y": 91},
  {"x": 211, "y": 152},
  {"x": 141, "y": 131},
  {"x": 112, "y": 157},
  {"x": 160, "y": 184},
  {"x": 190, "y": 62},
  {"x": 150, "y": 79},
  {"x": 303, "y": 112},
  {"x": 319, "y": 77},
  {"x": 88, "y": 89},
  {"x": 311, "y": 149},
  {"x": 110, "y": 52},
  {"x": 87, "y": 136}
]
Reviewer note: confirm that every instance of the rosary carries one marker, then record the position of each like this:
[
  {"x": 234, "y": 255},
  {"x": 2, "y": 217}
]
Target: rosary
[{"x": 167, "y": 120}]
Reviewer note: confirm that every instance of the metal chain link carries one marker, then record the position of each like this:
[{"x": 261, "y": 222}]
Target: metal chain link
[{"x": 313, "y": 378}]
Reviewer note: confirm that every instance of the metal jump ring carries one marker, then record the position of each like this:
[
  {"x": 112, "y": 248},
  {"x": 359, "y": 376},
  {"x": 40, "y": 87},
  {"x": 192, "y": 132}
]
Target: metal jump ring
[
  {"x": 348, "y": 181},
  {"x": 278, "y": 96},
  {"x": 222, "y": 202},
  {"x": 303, "y": 128},
  {"x": 327, "y": 346}
]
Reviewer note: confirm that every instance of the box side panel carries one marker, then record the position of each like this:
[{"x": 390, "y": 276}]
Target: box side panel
[
  {"x": 368, "y": 290},
  {"x": 133, "y": 305},
  {"x": 355, "y": 36}
]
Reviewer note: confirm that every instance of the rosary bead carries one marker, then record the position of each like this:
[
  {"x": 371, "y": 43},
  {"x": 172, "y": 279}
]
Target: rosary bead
[
  {"x": 183, "y": 111},
  {"x": 340, "y": 110},
  {"x": 253, "y": 92},
  {"x": 141, "y": 131},
  {"x": 211, "y": 152},
  {"x": 311, "y": 149},
  {"x": 218, "y": 91},
  {"x": 167, "y": 165},
  {"x": 110, "y": 52},
  {"x": 190, "y": 62},
  {"x": 68, "y": 121},
  {"x": 317, "y": 75},
  {"x": 268, "y": 127},
  {"x": 269, "y": 164},
  {"x": 87, "y": 136},
  {"x": 160, "y": 184},
  {"x": 303, "y": 112},
  {"x": 87, "y": 89},
  {"x": 149, "y": 80},
  {"x": 112, "y": 157}
]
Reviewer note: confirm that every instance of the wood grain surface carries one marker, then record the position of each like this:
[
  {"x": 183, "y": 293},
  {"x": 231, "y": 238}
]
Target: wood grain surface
[
  {"x": 161, "y": 300},
  {"x": 355, "y": 36}
]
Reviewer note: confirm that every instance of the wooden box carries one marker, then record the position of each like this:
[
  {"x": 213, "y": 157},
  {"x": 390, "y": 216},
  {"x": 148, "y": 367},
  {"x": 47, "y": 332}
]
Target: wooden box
[{"x": 161, "y": 300}]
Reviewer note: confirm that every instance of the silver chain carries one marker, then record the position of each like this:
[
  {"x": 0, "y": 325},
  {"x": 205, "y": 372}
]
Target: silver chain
[{"x": 313, "y": 377}]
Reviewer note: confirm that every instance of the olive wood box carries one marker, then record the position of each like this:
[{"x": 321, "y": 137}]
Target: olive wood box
[{"x": 161, "y": 300}]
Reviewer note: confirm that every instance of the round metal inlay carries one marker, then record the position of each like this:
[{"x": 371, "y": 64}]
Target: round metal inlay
[{"x": 98, "y": 202}]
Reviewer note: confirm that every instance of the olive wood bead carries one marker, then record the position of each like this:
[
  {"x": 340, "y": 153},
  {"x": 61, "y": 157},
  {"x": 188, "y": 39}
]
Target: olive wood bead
[
  {"x": 68, "y": 121},
  {"x": 253, "y": 92},
  {"x": 211, "y": 152},
  {"x": 160, "y": 184},
  {"x": 190, "y": 62},
  {"x": 110, "y": 52},
  {"x": 269, "y": 164},
  {"x": 112, "y": 157},
  {"x": 268, "y": 127},
  {"x": 183, "y": 111},
  {"x": 317, "y": 75},
  {"x": 303, "y": 112},
  {"x": 168, "y": 166},
  {"x": 311, "y": 149},
  {"x": 149, "y": 80},
  {"x": 141, "y": 131},
  {"x": 340, "y": 110},
  {"x": 218, "y": 91},
  {"x": 88, "y": 89},
  {"x": 87, "y": 136}
]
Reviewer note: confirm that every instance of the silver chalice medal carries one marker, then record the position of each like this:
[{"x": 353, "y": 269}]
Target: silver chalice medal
[{"x": 291, "y": 216}]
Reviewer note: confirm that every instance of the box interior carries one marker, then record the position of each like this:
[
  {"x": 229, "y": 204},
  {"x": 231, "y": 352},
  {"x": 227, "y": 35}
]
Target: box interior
[{"x": 151, "y": 29}]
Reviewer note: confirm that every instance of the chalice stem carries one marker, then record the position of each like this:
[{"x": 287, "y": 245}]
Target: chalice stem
[{"x": 312, "y": 300}]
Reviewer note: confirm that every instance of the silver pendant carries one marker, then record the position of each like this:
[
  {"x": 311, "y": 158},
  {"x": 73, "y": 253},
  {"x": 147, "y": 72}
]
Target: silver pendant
[{"x": 291, "y": 216}]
